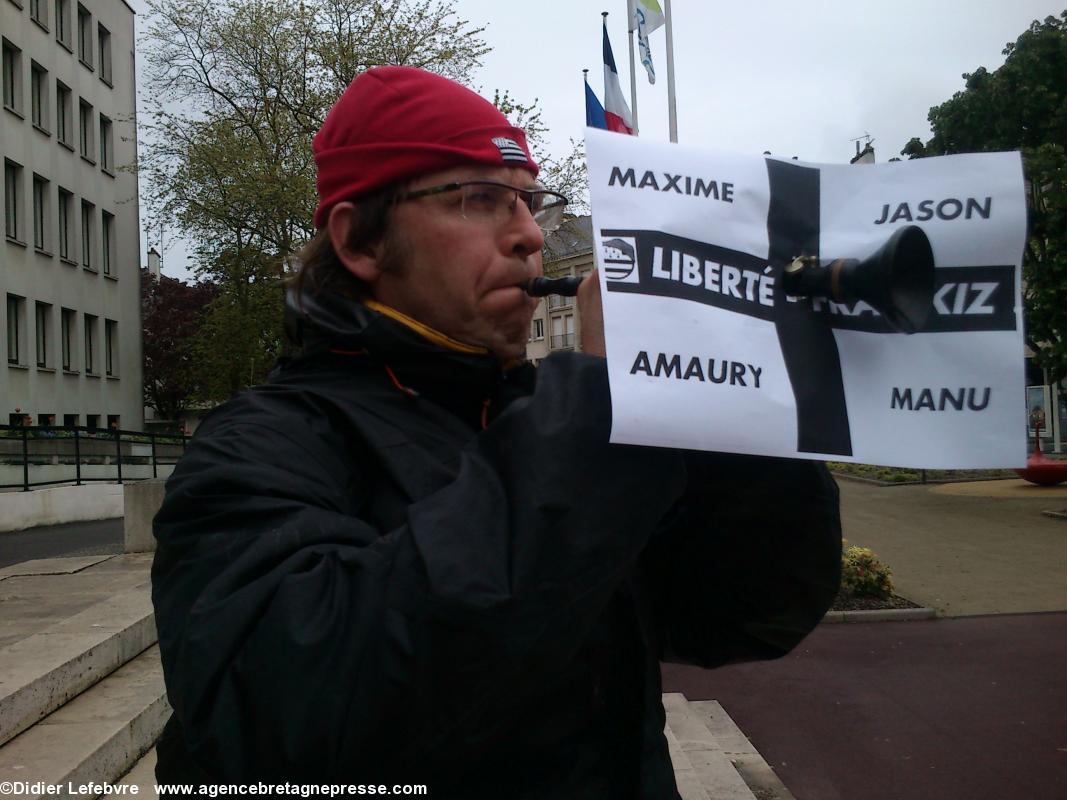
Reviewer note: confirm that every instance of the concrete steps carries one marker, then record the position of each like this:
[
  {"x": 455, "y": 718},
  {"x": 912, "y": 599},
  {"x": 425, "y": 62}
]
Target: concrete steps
[
  {"x": 82, "y": 695},
  {"x": 41, "y": 672},
  {"x": 143, "y": 776},
  {"x": 750, "y": 765},
  {"x": 96, "y": 737},
  {"x": 713, "y": 759}
]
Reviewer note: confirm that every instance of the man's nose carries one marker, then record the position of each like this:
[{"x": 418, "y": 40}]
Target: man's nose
[{"x": 524, "y": 235}]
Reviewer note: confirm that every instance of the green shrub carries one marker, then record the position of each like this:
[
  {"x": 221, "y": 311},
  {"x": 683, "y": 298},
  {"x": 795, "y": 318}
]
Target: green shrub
[{"x": 863, "y": 575}]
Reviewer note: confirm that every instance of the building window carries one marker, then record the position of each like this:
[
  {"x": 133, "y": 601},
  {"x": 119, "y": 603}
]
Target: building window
[
  {"x": 66, "y": 203},
  {"x": 43, "y": 326},
  {"x": 110, "y": 343},
  {"x": 107, "y": 144},
  {"x": 67, "y": 320},
  {"x": 88, "y": 233},
  {"x": 64, "y": 110},
  {"x": 107, "y": 241},
  {"x": 39, "y": 12},
  {"x": 559, "y": 301},
  {"x": 70, "y": 420},
  {"x": 39, "y": 96},
  {"x": 12, "y": 64},
  {"x": 16, "y": 320},
  {"x": 537, "y": 329},
  {"x": 85, "y": 130},
  {"x": 63, "y": 23},
  {"x": 92, "y": 421},
  {"x": 40, "y": 214},
  {"x": 12, "y": 201},
  {"x": 85, "y": 36},
  {"x": 90, "y": 344},
  {"x": 103, "y": 38},
  {"x": 563, "y": 332}
]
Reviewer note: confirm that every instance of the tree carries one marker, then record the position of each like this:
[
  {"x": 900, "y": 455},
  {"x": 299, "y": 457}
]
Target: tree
[
  {"x": 171, "y": 315},
  {"x": 1023, "y": 105},
  {"x": 241, "y": 336},
  {"x": 567, "y": 175}
]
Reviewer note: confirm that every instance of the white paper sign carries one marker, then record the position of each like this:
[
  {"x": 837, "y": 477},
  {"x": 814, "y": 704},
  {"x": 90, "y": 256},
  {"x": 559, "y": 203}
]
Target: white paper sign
[{"x": 706, "y": 351}]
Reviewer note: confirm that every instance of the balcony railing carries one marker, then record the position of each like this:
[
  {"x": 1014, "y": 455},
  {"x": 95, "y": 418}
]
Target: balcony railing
[
  {"x": 49, "y": 455},
  {"x": 563, "y": 341}
]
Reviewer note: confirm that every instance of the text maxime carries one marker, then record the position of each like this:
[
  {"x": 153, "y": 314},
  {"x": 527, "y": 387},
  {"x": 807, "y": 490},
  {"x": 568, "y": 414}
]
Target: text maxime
[{"x": 669, "y": 182}]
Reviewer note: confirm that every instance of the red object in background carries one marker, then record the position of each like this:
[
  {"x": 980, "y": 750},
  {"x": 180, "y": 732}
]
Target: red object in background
[{"x": 1041, "y": 469}]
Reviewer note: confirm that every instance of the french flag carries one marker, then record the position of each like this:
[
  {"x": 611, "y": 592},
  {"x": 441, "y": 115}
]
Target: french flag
[
  {"x": 616, "y": 112},
  {"x": 594, "y": 112}
]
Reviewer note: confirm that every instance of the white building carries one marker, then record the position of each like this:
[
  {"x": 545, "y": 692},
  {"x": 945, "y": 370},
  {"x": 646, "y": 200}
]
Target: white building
[{"x": 69, "y": 268}]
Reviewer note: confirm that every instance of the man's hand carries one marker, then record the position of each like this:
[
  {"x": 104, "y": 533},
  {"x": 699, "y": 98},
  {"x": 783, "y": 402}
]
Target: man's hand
[{"x": 592, "y": 312}]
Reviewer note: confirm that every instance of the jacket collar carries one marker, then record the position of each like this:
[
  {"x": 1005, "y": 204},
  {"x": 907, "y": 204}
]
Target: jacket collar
[{"x": 418, "y": 358}]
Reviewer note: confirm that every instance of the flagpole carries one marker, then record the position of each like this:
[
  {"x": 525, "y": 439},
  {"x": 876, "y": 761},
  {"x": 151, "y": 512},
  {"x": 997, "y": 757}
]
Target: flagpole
[
  {"x": 633, "y": 72},
  {"x": 672, "y": 107}
]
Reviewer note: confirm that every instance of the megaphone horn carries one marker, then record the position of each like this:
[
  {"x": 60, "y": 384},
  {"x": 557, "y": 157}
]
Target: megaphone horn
[{"x": 897, "y": 281}]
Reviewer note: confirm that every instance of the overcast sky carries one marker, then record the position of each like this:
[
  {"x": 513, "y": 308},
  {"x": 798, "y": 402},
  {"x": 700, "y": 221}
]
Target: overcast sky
[{"x": 795, "y": 78}]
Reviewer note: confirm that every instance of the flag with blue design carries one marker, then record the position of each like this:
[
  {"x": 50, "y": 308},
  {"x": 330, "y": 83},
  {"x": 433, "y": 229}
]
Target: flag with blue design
[{"x": 646, "y": 16}]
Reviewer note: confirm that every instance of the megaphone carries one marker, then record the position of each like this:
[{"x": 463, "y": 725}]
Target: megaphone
[{"x": 897, "y": 280}]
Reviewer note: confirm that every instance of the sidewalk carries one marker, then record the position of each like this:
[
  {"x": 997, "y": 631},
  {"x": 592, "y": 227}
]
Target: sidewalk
[
  {"x": 35, "y": 595},
  {"x": 968, "y": 548}
]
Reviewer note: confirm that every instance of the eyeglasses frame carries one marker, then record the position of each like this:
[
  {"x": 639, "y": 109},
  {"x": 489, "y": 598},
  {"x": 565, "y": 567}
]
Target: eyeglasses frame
[{"x": 457, "y": 185}]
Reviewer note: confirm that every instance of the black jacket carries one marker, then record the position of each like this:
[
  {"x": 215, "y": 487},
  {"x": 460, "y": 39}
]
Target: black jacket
[{"x": 397, "y": 563}]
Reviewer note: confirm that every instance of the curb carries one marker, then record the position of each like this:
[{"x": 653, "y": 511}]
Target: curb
[
  {"x": 881, "y": 615},
  {"x": 928, "y": 482},
  {"x": 1055, "y": 514}
]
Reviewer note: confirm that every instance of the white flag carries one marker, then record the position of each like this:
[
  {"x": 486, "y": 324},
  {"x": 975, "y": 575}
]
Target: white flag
[
  {"x": 647, "y": 16},
  {"x": 650, "y": 11}
]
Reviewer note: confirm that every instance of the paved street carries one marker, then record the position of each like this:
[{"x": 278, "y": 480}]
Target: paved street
[
  {"x": 72, "y": 539},
  {"x": 938, "y": 710},
  {"x": 971, "y": 705}
]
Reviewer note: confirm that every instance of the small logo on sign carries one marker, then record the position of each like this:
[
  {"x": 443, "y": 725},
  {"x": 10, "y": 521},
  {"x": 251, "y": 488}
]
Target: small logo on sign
[
  {"x": 509, "y": 149},
  {"x": 619, "y": 256}
]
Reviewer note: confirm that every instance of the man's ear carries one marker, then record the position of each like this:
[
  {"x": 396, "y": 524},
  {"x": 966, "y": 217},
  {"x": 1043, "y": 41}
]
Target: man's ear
[{"x": 361, "y": 263}]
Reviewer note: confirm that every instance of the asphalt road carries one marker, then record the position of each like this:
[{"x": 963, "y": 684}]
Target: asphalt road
[
  {"x": 101, "y": 537},
  {"x": 969, "y": 708}
]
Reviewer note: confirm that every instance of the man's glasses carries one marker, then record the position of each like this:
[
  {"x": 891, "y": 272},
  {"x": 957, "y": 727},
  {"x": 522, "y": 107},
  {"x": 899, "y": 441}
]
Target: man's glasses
[{"x": 496, "y": 202}]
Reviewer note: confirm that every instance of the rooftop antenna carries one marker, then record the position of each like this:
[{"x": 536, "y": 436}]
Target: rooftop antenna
[{"x": 866, "y": 139}]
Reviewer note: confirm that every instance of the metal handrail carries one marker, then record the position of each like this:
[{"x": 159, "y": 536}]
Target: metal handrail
[{"x": 81, "y": 451}]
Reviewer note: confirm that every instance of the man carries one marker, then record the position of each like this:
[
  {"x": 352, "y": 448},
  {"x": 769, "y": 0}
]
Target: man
[{"x": 410, "y": 559}]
